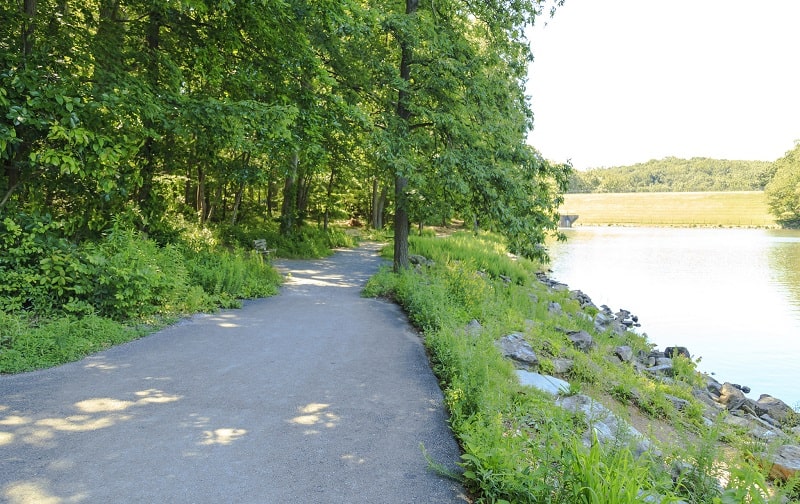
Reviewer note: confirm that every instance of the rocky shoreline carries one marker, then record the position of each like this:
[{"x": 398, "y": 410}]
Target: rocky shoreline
[{"x": 768, "y": 420}]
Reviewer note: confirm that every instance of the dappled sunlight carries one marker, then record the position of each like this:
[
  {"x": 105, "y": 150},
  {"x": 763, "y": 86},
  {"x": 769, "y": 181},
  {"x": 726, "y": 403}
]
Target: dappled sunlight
[
  {"x": 224, "y": 436},
  {"x": 315, "y": 415},
  {"x": 225, "y": 320},
  {"x": 34, "y": 492},
  {"x": 353, "y": 459},
  {"x": 321, "y": 281},
  {"x": 93, "y": 414}
]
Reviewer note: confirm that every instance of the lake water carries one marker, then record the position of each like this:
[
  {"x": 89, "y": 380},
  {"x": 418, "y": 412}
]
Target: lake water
[{"x": 732, "y": 296}]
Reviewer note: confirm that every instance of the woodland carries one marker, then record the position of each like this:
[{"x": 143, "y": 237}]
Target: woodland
[{"x": 263, "y": 112}]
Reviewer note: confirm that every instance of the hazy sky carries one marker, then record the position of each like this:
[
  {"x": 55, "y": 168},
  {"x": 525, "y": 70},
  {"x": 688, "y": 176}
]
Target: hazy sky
[{"x": 627, "y": 81}]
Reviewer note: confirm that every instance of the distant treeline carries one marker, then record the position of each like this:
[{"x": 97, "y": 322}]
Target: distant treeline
[{"x": 675, "y": 175}]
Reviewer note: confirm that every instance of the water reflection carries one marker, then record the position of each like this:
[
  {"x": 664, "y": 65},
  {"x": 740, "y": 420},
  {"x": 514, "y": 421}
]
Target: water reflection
[{"x": 731, "y": 295}]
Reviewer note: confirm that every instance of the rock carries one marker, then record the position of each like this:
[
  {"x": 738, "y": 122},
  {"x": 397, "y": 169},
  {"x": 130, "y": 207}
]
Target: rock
[
  {"x": 624, "y": 352},
  {"x": 603, "y": 424},
  {"x": 677, "y": 402},
  {"x": 674, "y": 351},
  {"x": 562, "y": 366},
  {"x": 775, "y": 408},
  {"x": 582, "y": 340},
  {"x": 785, "y": 462},
  {"x": 743, "y": 388},
  {"x": 664, "y": 361},
  {"x": 419, "y": 260},
  {"x": 473, "y": 328},
  {"x": 545, "y": 383},
  {"x": 731, "y": 397},
  {"x": 665, "y": 370},
  {"x": 519, "y": 351},
  {"x": 554, "y": 308}
]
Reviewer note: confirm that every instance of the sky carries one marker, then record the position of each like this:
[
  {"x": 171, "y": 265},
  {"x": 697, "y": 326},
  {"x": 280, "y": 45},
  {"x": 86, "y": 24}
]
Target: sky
[{"x": 626, "y": 81}]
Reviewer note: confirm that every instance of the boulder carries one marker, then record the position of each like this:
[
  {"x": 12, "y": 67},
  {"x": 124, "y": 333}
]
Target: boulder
[
  {"x": 602, "y": 423},
  {"x": 562, "y": 366},
  {"x": 473, "y": 328},
  {"x": 674, "y": 351},
  {"x": 624, "y": 352},
  {"x": 419, "y": 260},
  {"x": 731, "y": 397},
  {"x": 554, "y": 308},
  {"x": 775, "y": 408},
  {"x": 785, "y": 463},
  {"x": 515, "y": 347},
  {"x": 582, "y": 340},
  {"x": 545, "y": 383}
]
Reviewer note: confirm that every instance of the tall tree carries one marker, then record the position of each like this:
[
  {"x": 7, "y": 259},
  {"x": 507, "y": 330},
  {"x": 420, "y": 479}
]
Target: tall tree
[{"x": 783, "y": 192}]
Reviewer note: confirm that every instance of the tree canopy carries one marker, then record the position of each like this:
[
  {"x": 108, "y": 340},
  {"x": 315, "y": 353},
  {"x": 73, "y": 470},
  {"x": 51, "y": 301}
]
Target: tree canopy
[
  {"x": 673, "y": 174},
  {"x": 292, "y": 110},
  {"x": 783, "y": 192}
]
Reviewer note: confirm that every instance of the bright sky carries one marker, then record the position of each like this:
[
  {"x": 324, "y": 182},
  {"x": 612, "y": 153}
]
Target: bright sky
[{"x": 623, "y": 82}]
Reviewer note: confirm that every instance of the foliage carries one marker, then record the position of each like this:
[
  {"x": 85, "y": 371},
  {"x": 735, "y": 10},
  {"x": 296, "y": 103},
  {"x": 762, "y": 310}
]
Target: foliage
[
  {"x": 517, "y": 446},
  {"x": 783, "y": 192},
  {"x": 63, "y": 300},
  {"x": 675, "y": 175}
]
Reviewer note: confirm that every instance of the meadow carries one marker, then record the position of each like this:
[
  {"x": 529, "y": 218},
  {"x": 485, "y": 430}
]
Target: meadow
[{"x": 725, "y": 209}]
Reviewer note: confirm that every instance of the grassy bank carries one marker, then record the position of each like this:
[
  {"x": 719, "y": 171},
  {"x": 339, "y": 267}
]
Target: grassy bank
[
  {"x": 518, "y": 446},
  {"x": 744, "y": 209}
]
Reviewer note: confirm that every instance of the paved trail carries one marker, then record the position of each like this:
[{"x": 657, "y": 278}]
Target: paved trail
[{"x": 312, "y": 396}]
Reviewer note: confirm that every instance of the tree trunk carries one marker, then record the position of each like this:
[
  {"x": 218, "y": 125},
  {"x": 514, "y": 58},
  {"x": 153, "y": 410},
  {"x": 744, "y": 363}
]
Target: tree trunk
[
  {"x": 237, "y": 202},
  {"x": 148, "y": 171},
  {"x": 328, "y": 198},
  {"x": 29, "y": 8},
  {"x": 290, "y": 197},
  {"x": 202, "y": 202},
  {"x": 401, "y": 222}
]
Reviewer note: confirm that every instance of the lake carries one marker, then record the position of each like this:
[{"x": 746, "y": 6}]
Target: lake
[{"x": 731, "y": 296}]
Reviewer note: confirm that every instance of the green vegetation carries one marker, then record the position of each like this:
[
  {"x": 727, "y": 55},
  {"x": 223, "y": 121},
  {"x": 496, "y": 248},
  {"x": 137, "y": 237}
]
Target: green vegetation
[
  {"x": 518, "y": 446},
  {"x": 61, "y": 300},
  {"x": 144, "y": 145},
  {"x": 745, "y": 209},
  {"x": 296, "y": 111},
  {"x": 675, "y": 175},
  {"x": 783, "y": 192}
]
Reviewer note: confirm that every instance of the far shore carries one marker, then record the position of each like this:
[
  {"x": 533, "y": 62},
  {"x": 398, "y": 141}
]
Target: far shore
[{"x": 696, "y": 209}]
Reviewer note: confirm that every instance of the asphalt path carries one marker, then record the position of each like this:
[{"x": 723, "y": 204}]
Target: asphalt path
[{"x": 314, "y": 395}]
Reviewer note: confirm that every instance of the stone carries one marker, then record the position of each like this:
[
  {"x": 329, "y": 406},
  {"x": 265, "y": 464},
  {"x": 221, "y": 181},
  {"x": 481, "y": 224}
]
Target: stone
[
  {"x": 665, "y": 370},
  {"x": 677, "y": 402},
  {"x": 515, "y": 347},
  {"x": 604, "y": 425},
  {"x": 554, "y": 308},
  {"x": 674, "y": 351},
  {"x": 419, "y": 260},
  {"x": 775, "y": 408},
  {"x": 785, "y": 463},
  {"x": 562, "y": 366},
  {"x": 582, "y": 340},
  {"x": 473, "y": 328},
  {"x": 545, "y": 383},
  {"x": 624, "y": 352},
  {"x": 731, "y": 397}
]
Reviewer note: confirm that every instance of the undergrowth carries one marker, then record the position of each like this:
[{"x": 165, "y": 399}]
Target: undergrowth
[
  {"x": 63, "y": 299},
  {"x": 518, "y": 446}
]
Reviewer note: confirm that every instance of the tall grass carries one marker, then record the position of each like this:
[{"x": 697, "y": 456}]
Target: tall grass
[{"x": 517, "y": 445}]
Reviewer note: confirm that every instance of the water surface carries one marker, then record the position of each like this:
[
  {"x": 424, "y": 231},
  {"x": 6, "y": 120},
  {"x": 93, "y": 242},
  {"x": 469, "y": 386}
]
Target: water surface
[{"x": 732, "y": 296}]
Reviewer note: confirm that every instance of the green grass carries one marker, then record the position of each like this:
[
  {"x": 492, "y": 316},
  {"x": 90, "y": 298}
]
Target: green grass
[
  {"x": 517, "y": 445},
  {"x": 727, "y": 209}
]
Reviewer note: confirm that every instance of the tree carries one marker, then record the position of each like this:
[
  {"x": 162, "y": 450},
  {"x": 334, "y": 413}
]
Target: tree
[
  {"x": 455, "y": 130},
  {"x": 783, "y": 192}
]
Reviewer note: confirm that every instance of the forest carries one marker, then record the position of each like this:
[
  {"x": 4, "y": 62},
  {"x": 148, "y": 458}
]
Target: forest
[
  {"x": 273, "y": 111},
  {"x": 673, "y": 174}
]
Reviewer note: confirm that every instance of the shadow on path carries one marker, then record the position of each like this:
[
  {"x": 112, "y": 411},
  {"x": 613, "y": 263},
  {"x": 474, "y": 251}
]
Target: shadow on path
[{"x": 314, "y": 395}]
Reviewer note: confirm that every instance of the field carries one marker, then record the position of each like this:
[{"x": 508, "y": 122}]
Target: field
[{"x": 739, "y": 209}]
